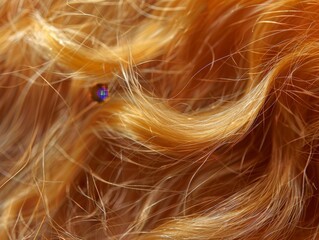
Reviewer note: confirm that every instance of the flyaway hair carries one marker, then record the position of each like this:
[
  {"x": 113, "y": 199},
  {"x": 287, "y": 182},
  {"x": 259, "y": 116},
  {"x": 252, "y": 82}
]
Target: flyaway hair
[{"x": 210, "y": 128}]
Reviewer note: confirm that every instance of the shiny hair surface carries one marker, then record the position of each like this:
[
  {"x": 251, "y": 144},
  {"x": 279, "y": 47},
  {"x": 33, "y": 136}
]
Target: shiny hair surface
[{"x": 210, "y": 129}]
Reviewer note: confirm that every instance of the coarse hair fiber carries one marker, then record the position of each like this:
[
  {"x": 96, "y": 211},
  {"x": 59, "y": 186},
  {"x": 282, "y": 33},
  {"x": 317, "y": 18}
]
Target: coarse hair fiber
[{"x": 210, "y": 130}]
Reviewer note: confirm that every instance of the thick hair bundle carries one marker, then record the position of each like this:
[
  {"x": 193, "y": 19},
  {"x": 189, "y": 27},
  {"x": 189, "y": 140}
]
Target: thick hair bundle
[{"x": 210, "y": 130}]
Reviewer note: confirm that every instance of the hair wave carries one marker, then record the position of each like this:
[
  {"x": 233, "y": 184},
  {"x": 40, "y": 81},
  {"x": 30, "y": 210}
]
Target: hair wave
[{"x": 210, "y": 131}]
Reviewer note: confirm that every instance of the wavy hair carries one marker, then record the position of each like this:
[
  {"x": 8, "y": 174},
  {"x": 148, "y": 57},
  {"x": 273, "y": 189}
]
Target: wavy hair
[{"x": 210, "y": 131}]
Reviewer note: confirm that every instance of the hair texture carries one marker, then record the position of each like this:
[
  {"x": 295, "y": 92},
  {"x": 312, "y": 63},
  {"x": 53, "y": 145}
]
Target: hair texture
[{"x": 211, "y": 130}]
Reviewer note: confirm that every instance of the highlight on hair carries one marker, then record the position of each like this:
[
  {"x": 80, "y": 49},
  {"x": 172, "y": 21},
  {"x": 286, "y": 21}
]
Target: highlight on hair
[{"x": 210, "y": 131}]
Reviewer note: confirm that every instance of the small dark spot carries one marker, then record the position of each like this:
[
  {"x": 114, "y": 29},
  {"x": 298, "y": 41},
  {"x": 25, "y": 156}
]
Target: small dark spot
[{"x": 99, "y": 93}]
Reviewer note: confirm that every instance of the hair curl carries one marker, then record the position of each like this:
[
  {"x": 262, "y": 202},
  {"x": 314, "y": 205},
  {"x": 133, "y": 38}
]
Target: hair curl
[{"x": 210, "y": 131}]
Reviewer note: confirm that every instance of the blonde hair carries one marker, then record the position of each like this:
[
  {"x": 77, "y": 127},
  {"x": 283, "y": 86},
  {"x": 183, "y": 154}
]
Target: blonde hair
[{"x": 210, "y": 131}]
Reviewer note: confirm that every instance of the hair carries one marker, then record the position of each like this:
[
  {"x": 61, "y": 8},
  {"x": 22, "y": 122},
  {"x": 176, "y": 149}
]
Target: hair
[{"x": 210, "y": 131}]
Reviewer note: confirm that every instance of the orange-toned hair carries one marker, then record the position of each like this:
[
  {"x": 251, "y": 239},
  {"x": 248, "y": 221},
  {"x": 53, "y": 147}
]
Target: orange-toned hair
[{"x": 210, "y": 130}]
